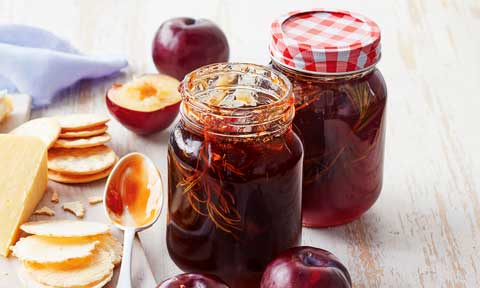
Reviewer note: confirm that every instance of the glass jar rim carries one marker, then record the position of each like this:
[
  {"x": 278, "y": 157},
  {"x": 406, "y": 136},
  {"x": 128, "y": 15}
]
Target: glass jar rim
[
  {"x": 279, "y": 111},
  {"x": 183, "y": 85}
]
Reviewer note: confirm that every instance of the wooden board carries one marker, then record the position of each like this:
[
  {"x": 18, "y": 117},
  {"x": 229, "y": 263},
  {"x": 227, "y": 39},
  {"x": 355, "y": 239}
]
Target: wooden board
[
  {"x": 20, "y": 113},
  {"x": 425, "y": 228}
]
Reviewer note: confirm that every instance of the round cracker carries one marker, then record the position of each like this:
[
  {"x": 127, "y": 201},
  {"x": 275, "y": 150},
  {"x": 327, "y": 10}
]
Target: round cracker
[
  {"x": 112, "y": 245},
  {"x": 102, "y": 282},
  {"x": 85, "y": 161},
  {"x": 83, "y": 142},
  {"x": 77, "y": 179},
  {"x": 94, "y": 131},
  {"x": 96, "y": 269},
  {"x": 28, "y": 281},
  {"x": 48, "y": 250},
  {"x": 65, "y": 228},
  {"x": 77, "y": 122},
  {"x": 46, "y": 129}
]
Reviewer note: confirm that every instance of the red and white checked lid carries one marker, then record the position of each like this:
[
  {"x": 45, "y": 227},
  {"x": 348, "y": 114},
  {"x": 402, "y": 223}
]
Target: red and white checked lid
[{"x": 325, "y": 41}]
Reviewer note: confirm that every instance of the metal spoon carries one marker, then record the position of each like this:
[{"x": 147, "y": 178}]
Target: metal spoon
[{"x": 133, "y": 201}]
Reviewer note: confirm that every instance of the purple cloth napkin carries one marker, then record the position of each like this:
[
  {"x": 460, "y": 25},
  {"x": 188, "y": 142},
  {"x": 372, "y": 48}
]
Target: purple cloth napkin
[{"x": 38, "y": 63}]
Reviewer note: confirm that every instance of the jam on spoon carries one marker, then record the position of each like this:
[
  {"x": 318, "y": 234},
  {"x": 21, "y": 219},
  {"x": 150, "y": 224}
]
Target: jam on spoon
[{"x": 133, "y": 202}]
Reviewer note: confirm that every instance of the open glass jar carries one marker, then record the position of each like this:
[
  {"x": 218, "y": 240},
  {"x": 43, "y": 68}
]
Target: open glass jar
[
  {"x": 330, "y": 57},
  {"x": 235, "y": 173}
]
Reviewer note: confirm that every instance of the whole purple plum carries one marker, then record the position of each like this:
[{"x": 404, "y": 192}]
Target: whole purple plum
[
  {"x": 182, "y": 45},
  {"x": 306, "y": 267},
  {"x": 193, "y": 280}
]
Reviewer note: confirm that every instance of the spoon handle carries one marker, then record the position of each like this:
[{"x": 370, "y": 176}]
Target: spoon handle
[{"x": 125, "y": 278}]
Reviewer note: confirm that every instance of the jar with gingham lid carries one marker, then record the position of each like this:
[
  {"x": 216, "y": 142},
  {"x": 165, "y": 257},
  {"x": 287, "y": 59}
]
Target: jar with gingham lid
[{"x": 330, "y": 57}]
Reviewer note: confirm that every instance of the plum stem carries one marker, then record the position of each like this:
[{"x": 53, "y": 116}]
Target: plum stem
[
  {"x": 189, "y": 21},
  {"x": 309, "y": 259}
]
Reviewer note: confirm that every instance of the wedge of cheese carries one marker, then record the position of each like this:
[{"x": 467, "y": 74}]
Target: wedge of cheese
[
  {"x": 6, "y": 105},
  {"x": 23, "y": 180}
]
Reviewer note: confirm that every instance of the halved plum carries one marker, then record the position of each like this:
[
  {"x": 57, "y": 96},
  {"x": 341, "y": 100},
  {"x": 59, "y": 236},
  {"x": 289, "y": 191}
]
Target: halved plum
[{"x": 146, "y": 104}]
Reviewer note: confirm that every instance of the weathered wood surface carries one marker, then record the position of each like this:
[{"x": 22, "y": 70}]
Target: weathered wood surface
[{"x": 425, "y": 228}]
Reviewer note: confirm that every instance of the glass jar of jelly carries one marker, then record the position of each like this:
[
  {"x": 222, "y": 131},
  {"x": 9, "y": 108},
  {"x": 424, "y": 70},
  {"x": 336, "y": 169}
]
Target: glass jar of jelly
[
  {"x": 235, "y": 173},
  {"x": 340, "y": 98}
]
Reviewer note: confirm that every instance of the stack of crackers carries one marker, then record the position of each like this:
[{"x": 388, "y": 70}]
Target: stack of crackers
[
  {"x": 77, "y": 151},
  {"x": 62, "y": 253}
]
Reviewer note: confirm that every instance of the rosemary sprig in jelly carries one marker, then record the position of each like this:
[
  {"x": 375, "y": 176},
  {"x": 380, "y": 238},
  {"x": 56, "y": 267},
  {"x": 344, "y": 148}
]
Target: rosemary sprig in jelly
[
  {"x": 367, "y": 124},
  {"x": 206, "y": 194}
]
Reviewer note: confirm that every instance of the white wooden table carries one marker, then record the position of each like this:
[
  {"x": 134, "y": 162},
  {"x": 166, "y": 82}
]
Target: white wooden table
[{"x": 424, "y": 231}]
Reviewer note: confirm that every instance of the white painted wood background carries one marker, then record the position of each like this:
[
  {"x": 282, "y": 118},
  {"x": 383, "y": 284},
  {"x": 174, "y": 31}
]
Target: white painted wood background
[{"x": 424, "y": 231}]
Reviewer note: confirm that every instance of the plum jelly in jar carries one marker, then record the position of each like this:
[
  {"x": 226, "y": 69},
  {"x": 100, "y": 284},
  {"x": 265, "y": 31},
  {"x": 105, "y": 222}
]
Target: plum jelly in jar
[
  {"x": 235, "y": 173},
  {"x": 340, "y": 98}
]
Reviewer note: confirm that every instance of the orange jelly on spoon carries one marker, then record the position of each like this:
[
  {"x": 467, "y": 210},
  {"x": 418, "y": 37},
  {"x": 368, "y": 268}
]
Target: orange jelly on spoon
[
  {"x": 133, "y": 201},
  {"x": 130, "y": 200}
]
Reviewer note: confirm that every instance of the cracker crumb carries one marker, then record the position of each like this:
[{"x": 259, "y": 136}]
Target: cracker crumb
[
  {"x": 55, "y": 199},
  {"x": 47, "y": 211},
  {"x": 75, "y": 207},
  {"x": 92, "y": 200}
]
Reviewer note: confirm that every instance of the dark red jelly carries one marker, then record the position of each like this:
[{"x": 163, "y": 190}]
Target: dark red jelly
[
  {"x": 341, "y": 122},
  {"x": 235, "y": 174}
]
